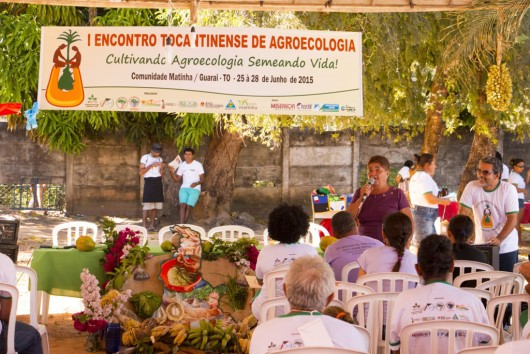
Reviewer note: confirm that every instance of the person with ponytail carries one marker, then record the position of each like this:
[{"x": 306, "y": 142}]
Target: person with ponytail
[
  {"x": 459, "y": 232},
  {"x": 394, "y": 256},
  {"x": 516, "y": 178},
  {"x": 436, "y": 299}
]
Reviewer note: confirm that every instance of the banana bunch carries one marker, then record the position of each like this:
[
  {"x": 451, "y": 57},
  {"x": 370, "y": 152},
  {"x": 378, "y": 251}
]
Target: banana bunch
[
  {"x": 244, "y": 344},
  {"x": 499, "y": 87},
  {"x": 178, "y": 331},
  {"x": 221, "y": 341},
  {"x": 128, "y": 323},
  {"x": 199, "y": 337},
  {"x": 247, "y": 324},
  {"x": 158, "y": 332},
  {"x": 130, "y": 338}
]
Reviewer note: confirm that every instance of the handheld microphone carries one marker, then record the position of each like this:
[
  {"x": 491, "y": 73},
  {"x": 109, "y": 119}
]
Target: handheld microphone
[{"x": 371, "y": 182}]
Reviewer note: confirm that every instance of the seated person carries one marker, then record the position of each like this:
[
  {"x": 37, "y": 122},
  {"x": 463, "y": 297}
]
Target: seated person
[
  {"x": 308, "y": 286},
  {"x": 287, "y": 223},
  {"x": 349, "y": 246},
  {"x": 394, "y": 256},
  {"x": 27, "y": 338},
  {"x": 340, "y": 314},
  {"x": 437, "y": 299}
]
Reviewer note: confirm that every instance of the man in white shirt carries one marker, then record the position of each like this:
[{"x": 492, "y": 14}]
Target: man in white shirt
[
  {"x": 309, "y": 285},
  {"x": 493, "y": 204},
  {"x": 152, "y": 169},
  {"x": 191, "y": 173},
  {"x": 27, "y": 338},
  {"x": 505, "y": 170}
]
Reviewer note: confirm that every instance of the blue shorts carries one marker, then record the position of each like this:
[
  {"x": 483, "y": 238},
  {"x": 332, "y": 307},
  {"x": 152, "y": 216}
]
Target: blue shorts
[{"x": 189, "y": 196}]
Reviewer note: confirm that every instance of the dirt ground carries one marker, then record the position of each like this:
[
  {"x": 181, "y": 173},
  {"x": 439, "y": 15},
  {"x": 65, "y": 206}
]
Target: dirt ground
[{"x": 36, "y": 229}]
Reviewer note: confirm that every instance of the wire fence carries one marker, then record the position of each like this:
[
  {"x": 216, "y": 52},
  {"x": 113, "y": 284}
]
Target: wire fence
[{"x": 34, "y": 193}]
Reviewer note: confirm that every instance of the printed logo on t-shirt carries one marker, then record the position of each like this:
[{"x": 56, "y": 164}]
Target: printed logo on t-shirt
[{"x": 487, "y": 221}]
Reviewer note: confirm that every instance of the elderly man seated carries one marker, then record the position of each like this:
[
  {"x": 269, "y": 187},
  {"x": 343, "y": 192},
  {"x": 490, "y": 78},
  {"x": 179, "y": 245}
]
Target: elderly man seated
[{"x": 308, "y": 286}]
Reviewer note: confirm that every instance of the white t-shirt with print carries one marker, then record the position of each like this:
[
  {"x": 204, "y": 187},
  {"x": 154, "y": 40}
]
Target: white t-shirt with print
[
  {"x": 190, "y": 173},
  {"x": 282, "y": 333},
  {"x": 505, "y": 173},
  {"x": 8, "y": 275},
  {"x": 147, "y": 160},
  {"x": 518, "y": 180},
  {"x": 273, "y": 256},
  {"x": 420, "y": 184},
  {"x": 404, "y": 172},
  {"x": 490, "y": 209},
  {"x": 382, "y": 260},
  {"x": 434, "y": 301}
]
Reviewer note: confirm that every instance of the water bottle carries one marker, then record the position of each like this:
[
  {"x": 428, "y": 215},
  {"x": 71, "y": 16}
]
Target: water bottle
[{"x": 112, "y": 338}]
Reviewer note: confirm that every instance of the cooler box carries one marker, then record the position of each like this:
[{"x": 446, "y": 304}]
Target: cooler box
[
  {"x": 9, "y": 227},
  {"x": 492, "y": 254},
  {"x": 320, "y": 203},
  {"x": 337, "y": 202}
]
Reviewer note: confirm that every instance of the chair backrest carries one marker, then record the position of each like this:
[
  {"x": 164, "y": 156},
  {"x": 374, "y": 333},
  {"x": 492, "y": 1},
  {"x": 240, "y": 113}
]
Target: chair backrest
[
  {"x": 230, "y": 232},
  {"x": 135, "y": 228},
  {"x": 269, "y": 306},
  {"x": 480, "y": 277},
  {"x": 318, "y": 350},
  {"x": 345, "y": 274},
  {"x": 509, "y": 284},
  {"x": 313, "y": 234},
  {"x": 517, "y": 265},
  {"x": 450, "y": 327},
  {"x": 464, "y": 266},
  {"x": 273, "y": 281},
  {"x": 480, "y": 350},
  {"x": 389, "y": 282},
  {"x": 372, "y": 310},
  {"x": 13, "y": 292},
  {"x": 32, "y": 275},
  {"x": 497, "y": 306},
  {"x": 77, "y": 228},
  {"x": 344, "y": 290},
  {"x": 265, "y": 237},
  {"x": 167, "y": 229},
  {"x": 480, "y": 293}
]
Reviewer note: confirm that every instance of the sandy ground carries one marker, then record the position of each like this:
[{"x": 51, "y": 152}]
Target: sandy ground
[{"x": 36, "y": 229}]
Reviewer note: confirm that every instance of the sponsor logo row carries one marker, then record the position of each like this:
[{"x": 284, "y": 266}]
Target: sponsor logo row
[{"x": 133, "y": 103}]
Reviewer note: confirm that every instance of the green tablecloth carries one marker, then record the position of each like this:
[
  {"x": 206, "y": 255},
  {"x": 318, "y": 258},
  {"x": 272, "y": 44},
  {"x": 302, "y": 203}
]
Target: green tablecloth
[{"x": 58, "y": 270}]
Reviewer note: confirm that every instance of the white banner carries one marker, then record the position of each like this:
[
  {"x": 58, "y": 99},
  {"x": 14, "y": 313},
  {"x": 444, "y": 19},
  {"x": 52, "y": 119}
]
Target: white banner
[{"x": 211, "y": 70}]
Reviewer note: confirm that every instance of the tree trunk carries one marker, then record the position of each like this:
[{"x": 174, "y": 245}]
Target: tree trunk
[
  {"x": 220, "y": 168},
  {"x": 484, "y": 141},
  {"x": 435, "y": 125}
]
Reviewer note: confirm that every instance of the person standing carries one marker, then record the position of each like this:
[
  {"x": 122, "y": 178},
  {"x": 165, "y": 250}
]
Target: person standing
[
  {"x": 423, "y": 197},
  {"x": 376, "y": 199},
  {"x": 505, "y": 170},
  {"x": 27, "y": 338},
  {"x": 349, "y": 246},
  {"x": 403, "y": 176},
  {"x": 152, "y": 168},
  {"x": 493, "y": 204},
  {"x": 191, "y": 173},
  {"x": 519, "y": 182}
]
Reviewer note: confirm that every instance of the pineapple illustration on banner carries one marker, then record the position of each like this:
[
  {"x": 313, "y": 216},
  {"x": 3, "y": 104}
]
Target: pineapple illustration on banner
[{"x": 65, "y": 87}]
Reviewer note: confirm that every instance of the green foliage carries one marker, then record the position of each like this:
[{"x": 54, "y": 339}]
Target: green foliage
[
  {"x": 363, "y": 177},
  {"x": 232, "y": 251}
]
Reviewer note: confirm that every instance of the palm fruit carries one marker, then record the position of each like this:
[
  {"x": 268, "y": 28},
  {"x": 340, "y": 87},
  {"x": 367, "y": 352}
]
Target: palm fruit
[{"x": 499, "y": 87}]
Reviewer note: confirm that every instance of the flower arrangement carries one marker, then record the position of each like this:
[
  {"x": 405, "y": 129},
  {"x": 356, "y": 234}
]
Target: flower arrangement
[
  {"x": 242, "y": 252},
  {"x": 122, "y": 255}
]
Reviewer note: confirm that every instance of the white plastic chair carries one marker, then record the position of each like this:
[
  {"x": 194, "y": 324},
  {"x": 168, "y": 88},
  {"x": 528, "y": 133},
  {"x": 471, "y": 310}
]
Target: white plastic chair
[
  {"x": 230, "y": 232},
  {"x": 371, "y": 311},
  {"x": 13, "y": 292},
  {"x": 389, "y": 281},
  {"x": 313, "y": 235},
  {"x": 345, "y": 290},
  {"x": 167, "y": 229},
  {"x": 481, "y": 277},
  {"x": 480, "y": 350},
  {"x": 345, "y": 274},
  {"x": 510, "y": 284},
  {"x": 451, "y": 327},
  {"x": 273, "y": 281},
  {"x": 497, "y": 306},
  {"x": 318, "y": 350},
  {"x": 517, "y": 266},
  {"x": 265, "y": 237},
  {"x": 33, "y": 313},
  {"x": 471, "y": 266},
  {"x": 142, "y": 230},
  {"x": 269, "y": 306},
  {"x": 77, "y": 228},
  {"x": 480, "y": 293}
]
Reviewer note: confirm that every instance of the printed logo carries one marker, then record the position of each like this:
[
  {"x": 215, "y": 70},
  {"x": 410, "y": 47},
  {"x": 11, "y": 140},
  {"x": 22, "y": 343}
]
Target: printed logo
[
  {"x": 151, "y": 103},
  {"x": 440, "y": 306},
  {"x": 211, "y": 105},
  {"x": 283, "y": 106},
  {"x": 92, "y": 101},
  {"x": 121, "y": 102},
  {"x": 429, "y": 307},
  {"x": 304, "y": 106},
  {"x": 347, "y": 108},
  {"x": 134, "y": 102},
  {"x": 450, "y": 305},
  {"x": 107, "y": 103},
  {"x": 246, "y": 105},
  {"x": 187, "y": 104},
  {"x": 230, "y": 105},
  {"x": 329, "y": 107}
]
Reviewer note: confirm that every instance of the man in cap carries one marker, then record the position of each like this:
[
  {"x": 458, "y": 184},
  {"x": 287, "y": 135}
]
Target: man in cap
[{"x": 152, "y": 168}]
